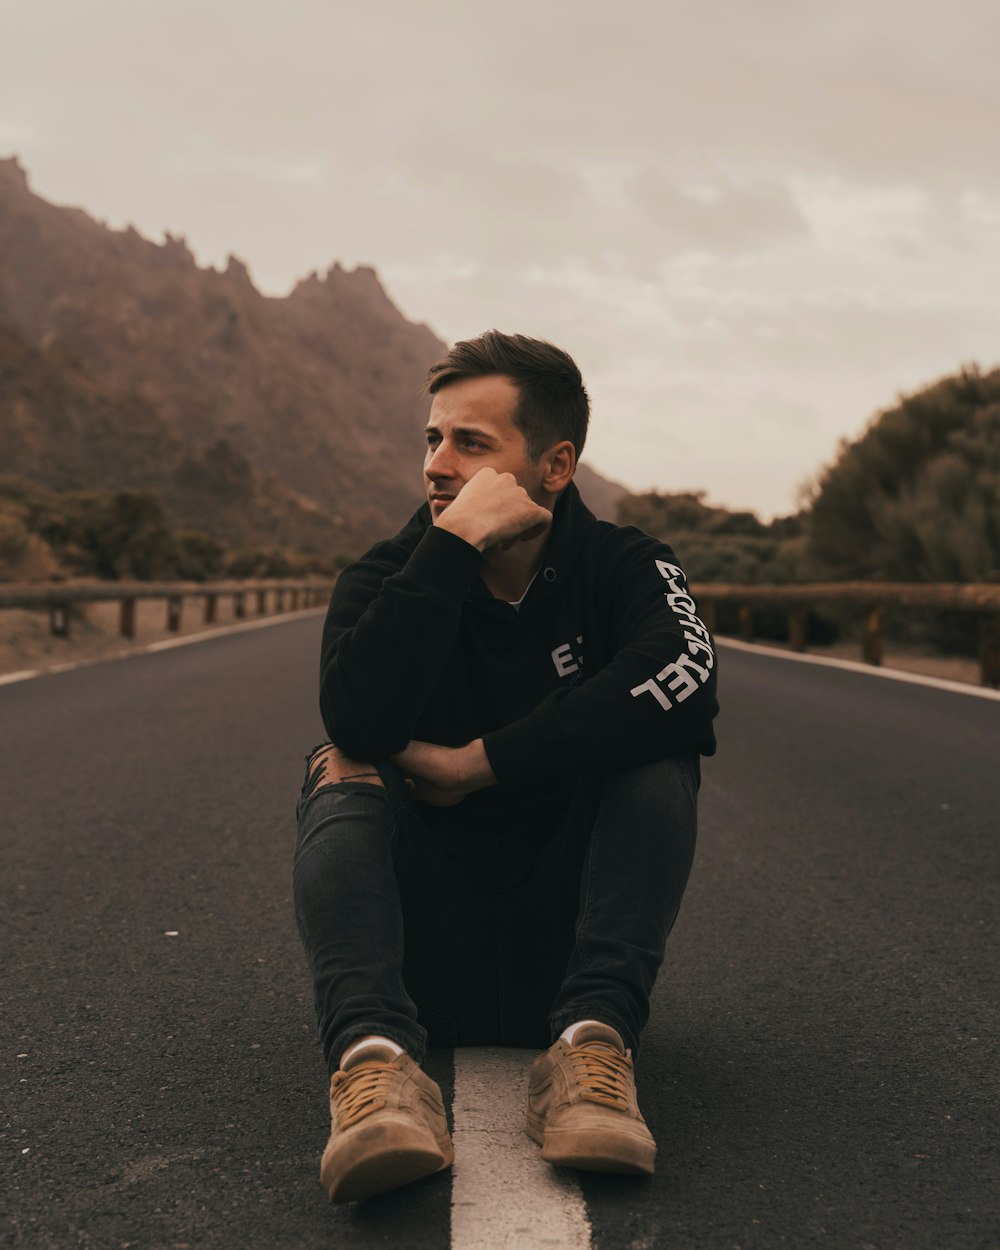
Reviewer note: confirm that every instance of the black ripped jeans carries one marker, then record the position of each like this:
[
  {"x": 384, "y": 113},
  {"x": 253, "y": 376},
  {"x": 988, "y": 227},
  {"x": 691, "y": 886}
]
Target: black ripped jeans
[{"x": 403, "y": 939}]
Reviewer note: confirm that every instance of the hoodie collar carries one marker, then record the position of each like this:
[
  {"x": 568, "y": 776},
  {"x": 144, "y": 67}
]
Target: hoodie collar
[{"x": 571, "y": 520}]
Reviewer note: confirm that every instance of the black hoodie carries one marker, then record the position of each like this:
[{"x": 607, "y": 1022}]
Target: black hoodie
[{"x": 604, "y": 664}]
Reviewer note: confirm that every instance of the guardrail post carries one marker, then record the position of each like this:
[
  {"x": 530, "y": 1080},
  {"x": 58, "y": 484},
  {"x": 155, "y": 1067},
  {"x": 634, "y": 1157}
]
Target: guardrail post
[
  {"x": 261, "y": 602},
  {"x": 210, "y": 609},
  {"x": 989, "y": 650},
  {"x": 126, "y": 619},
  {"x": 294, "y": 596},
  {"x": 279, "y": 599},
  {"x": 746, "y": 622},
  {"x": 59, "y": 620},
  {"x": 239, "y": 605},
  {"x": 175, "y": 605},
  {"x": 797, "y": 628},
  {"x": 871, "y": 643}
]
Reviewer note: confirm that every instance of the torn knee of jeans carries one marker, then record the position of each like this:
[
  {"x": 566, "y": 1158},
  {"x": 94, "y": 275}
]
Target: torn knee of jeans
[{"x": 329, "y": 766}]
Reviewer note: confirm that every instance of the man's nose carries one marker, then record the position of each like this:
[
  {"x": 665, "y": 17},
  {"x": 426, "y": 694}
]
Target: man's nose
[{"x": 439, "y": 462}]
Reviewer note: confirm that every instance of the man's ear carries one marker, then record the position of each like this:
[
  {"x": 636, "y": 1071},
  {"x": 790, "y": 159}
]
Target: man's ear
[{"x": 560, "y": 465}]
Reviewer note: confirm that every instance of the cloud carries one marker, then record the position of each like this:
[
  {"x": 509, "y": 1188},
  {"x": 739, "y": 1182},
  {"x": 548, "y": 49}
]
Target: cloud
[{"x": 714, "y": 218}]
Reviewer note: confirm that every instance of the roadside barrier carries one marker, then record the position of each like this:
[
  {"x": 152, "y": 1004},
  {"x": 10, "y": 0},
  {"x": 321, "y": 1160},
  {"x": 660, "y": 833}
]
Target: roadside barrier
[
  {"x": 249, "y": 598},
  {"x": 869, "y": 600},
  {"x": 258, "y": 597}
]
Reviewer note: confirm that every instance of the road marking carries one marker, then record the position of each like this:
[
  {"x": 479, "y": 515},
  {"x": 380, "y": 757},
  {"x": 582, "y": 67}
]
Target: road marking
[
  {"x": 166, "y": 644},
  {"x": 871, "y": 670},
  {"x": 504, "y": 1197},
  {"x": 22, "y": 675}
]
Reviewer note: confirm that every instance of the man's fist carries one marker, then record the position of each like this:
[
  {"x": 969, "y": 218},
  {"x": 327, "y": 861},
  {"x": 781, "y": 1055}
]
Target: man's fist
[
  {"x": 491, "y": 509},
  {"x": 443, "y": 776}
]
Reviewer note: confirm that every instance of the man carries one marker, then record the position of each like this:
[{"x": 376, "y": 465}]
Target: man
[{"x": 494, "y": 844}]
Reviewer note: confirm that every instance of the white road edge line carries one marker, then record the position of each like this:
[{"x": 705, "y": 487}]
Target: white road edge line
[
  {"x": 24, "y": 674},
  {"x": 870, "y": 670},
  {"x": 166, "y": 644},
  {"x": 503, "y": 1196}
]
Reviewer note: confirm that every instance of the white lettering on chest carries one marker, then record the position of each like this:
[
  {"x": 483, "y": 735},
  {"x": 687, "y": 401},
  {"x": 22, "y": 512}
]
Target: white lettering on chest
[{"x": 564, "y": 659}]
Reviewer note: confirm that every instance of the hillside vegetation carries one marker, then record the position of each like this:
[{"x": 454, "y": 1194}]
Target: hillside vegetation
[
  {"x": 916, "y": 499},
  {"x": 917, "y": 496},
  {"x": 114, "y": 534},
  {"x": 717, "y": 545}
]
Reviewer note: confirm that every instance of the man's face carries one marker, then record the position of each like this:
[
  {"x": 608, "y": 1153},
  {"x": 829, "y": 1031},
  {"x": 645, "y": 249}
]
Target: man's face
[{"x": 471, "y": 427}]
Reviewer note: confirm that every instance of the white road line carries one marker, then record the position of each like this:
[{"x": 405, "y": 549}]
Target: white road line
[
  {"x": 504, "y": 1197},
  {"x": 870, "y": 670},
  {"x": 23, "y": 674},
  {"x": 166, "y": 644}
]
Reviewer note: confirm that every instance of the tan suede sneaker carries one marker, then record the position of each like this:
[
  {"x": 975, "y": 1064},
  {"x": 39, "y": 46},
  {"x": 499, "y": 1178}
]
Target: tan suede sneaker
[
  {"x": 582, "y": 1108},
  {"x": 387, "y": 1127}
]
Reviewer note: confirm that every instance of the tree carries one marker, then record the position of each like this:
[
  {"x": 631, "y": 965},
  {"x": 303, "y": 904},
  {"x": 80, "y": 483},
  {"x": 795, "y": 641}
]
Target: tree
[{"x": 917, "y": 497}]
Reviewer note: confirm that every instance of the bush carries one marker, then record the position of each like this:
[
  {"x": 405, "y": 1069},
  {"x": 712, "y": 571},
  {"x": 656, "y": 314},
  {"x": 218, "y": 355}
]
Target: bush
[
  {"x": 716, "y": 545},
  {"x": 125, "y": 534},
  {"x": 200, "y": 557},
  {"x": 917, "y": 497},
  {"x": 14, "y": 540},
  {"x": 253, "y": 562},
  {"x": 122, "y": 535}
]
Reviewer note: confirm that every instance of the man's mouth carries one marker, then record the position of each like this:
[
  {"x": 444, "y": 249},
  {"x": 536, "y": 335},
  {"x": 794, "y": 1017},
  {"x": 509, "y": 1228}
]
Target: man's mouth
[{"x": 441, "y": 500}]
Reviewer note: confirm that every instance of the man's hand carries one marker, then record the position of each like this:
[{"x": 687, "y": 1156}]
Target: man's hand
[
  {"x": 443, "y": 776},
  {"x": 491, "y": 509}
]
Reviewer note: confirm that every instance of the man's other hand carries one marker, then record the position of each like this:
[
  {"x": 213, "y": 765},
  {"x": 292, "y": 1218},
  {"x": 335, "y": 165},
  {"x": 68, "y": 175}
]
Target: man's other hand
[
  {"x": 443, "y": 776},
  {"x": 492, "y": 510}
]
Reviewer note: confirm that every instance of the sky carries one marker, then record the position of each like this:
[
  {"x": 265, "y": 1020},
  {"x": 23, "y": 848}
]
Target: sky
[{"x": 753, "y": 224}]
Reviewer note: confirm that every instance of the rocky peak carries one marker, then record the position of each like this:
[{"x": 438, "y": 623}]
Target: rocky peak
[
  {"x": 238, "y": 274},
  {"x": 13, "y": 172},
  {"x": 359, "y": 286},
  {"x": 175, "y": 248}
]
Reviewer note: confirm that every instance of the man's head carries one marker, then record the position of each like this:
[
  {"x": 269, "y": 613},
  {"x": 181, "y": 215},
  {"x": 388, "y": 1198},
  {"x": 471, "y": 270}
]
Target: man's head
[
  {"x": 510, "y": 403},
  {"x": 552, "y": 404}
]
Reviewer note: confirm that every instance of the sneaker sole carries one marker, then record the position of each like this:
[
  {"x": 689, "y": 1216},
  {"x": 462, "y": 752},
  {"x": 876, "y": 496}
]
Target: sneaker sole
[
  {"x": 383, "y": 1159},
  {"x": 595, "y": 1152}
]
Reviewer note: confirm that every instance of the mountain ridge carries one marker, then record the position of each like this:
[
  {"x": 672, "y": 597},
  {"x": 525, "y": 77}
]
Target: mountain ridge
[{"x": 319, "y": 392}]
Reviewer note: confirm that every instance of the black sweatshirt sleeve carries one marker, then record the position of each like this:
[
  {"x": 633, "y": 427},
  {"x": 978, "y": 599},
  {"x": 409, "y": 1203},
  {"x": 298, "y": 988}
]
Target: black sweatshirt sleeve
[
  {"x": 389, "y": 629},
  {"x": 654, "y": 697}
]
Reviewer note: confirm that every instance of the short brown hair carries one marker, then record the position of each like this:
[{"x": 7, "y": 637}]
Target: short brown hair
[{"x": 552, "y": 400}]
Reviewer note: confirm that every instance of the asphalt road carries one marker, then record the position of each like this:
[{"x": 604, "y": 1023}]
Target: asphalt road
[{"x": 821, "y": 1067}]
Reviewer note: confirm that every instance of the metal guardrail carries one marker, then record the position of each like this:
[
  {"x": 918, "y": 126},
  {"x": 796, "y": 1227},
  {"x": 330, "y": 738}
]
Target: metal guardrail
[
  {"x": 283, "y": 595},
  {"x": 870, "y": 599}
]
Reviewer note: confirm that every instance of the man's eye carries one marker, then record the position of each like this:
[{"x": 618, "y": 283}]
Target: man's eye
[{"x": 474, "y": 442}]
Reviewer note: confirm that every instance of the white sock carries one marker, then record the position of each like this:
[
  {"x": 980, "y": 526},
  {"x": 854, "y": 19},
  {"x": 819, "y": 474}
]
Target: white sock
[
  {"x": 356, "y": 1051},
  {"x": 598, "y": 1031}
]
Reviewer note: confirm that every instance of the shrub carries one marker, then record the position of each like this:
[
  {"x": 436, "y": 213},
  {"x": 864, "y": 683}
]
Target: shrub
[{"x": 200, "y": 557}]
